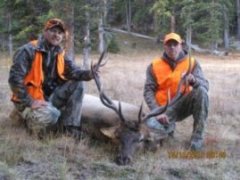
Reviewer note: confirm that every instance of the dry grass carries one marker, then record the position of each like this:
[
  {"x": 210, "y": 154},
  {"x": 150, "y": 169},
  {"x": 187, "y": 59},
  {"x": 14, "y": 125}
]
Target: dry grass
[{"x": 25, "y": 157}]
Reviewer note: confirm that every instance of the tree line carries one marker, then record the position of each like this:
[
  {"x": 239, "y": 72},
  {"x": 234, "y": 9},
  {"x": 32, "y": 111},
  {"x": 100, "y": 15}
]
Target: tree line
[{"x": 211, "y": 23}]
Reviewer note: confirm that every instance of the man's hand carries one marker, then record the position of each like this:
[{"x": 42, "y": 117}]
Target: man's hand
[
  {"x": 190, "y": 79},
  {"x": 95, "y": 67},
  {"x": 95, "y": 70},
  {"x": 163, "y": 119},
  {"x": 38, "y": 103}
]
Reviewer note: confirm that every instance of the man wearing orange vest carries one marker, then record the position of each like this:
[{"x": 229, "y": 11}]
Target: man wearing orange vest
[
  {"x": 46, "y": 84},
  {"x": 163, "y": 75}
]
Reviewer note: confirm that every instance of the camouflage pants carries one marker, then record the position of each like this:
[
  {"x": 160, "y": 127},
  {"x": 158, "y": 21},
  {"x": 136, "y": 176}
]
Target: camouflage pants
[
  {"x": 63, "y": 109},
  {"x": 196, "y": 104}
]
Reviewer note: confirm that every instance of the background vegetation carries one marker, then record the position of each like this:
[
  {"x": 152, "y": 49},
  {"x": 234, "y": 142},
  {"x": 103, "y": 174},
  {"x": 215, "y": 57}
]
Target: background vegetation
[{"x": 211, "y": 23}]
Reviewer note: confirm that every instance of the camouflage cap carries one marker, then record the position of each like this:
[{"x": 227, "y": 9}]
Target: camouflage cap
[{"x": 55, "y": 22}]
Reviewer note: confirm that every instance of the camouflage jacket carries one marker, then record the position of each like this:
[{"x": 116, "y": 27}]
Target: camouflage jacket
[
  {"x": 22, "y": 61},
  {"x": 150, "y": 86}
]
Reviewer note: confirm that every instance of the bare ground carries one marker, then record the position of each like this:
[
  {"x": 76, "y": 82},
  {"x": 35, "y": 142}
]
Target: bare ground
[{"x": 25, "y": 157}]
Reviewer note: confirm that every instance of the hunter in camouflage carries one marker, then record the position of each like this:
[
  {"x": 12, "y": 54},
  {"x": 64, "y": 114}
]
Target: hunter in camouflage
[
  {"x": 164, "y": 74},
  {"x": 46, "y": 85}
]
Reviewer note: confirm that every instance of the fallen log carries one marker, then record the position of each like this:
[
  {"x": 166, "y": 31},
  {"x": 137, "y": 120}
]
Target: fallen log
[
  {"x": 131, "y": 33},
  {"x": 216, "y": 52}
]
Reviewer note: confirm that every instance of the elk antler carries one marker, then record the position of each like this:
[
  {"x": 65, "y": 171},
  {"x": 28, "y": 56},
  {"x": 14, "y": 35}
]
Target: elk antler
[
  {"x": 156, "y": 111},
  {"x": 103, "y": 97},
  {"x": 182, "y": 82}
]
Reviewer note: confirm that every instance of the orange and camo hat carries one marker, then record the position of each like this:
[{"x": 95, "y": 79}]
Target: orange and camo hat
[
  {"x": 172, "y": 36},
  {"x": 55, "y": 22}
]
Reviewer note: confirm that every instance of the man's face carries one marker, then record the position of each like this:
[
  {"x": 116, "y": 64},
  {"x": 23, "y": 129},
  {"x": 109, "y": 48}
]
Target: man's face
[
  {"x": 173, "y": 49},
  {"x": 54, "y": 36}
]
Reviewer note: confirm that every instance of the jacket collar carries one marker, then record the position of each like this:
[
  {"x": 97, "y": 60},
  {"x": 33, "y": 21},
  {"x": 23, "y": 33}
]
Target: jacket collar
[{"x": 173, "y": 63}]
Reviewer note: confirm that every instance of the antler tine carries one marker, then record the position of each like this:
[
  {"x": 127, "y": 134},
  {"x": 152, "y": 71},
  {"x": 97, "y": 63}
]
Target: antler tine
[
  {"x": 120, "y": 112},
  {"x": 99, "y": 63},
  {"x": 95, "y": 77},
  {"x": 190, "y": 65},
  {"x": 188, "y": 71},
  {"x": 179, "y": 94},
  {"x": 140, "y": 114}
]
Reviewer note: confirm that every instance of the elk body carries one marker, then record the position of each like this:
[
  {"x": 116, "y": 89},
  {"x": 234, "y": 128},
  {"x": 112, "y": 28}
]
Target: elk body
[
  {"x": 124, "y": 123},
  {"x": 129, "y": 135}
]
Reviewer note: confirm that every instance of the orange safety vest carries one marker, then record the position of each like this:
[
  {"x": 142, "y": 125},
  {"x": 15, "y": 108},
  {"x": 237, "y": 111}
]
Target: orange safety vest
[
  {"x": 34, "y": 79},
  {"x": 168, "y": 79}
]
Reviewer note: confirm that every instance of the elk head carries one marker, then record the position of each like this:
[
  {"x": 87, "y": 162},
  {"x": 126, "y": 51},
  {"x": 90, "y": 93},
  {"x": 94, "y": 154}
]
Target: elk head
[{"x": 130, "y": 134}]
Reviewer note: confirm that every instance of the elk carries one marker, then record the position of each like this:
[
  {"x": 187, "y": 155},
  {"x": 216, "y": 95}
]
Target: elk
[{"x": 128, "y": 132}]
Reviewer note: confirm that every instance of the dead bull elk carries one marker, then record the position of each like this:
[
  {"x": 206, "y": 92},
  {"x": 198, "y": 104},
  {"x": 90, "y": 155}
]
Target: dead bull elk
[{"x": 132, "y": 133}]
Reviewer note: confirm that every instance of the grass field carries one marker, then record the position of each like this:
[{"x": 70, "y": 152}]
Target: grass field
[{"x": 25, "y": 157}]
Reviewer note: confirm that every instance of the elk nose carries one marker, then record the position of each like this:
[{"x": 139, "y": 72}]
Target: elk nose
[{"x": 123, "y": 160}]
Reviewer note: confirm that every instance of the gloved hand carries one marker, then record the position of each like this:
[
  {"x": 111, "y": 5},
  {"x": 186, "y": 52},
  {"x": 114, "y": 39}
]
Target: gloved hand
[
  {"x": 95, "y": 70},
  {"x": 190, "y": 79},
  {"x": 163, "y": 119},
  {"x": 38, "y": 103}
]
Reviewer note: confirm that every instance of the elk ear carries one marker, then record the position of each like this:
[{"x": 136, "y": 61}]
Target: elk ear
[{"x": 110, "y": 132}]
